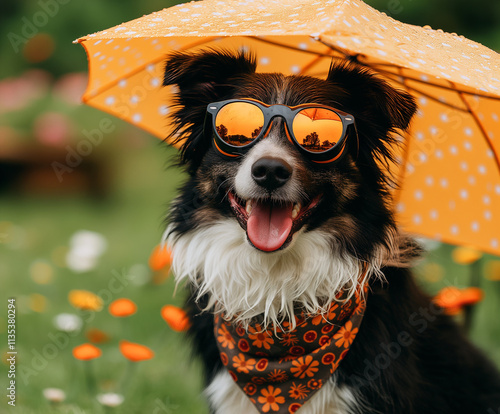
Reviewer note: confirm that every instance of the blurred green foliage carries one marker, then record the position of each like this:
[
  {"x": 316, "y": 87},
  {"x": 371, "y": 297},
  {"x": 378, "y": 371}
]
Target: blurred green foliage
[
  {"x": 478, "y": 20},
  {"x": 75, "y": 18},
  {"x": 71, "y": 20}
]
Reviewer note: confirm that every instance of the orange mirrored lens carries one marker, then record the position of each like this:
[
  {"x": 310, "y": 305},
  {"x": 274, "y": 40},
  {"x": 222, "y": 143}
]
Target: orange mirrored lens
[
  {"x": 239, "y": 123},
  {"x": 317, "y": 129}
]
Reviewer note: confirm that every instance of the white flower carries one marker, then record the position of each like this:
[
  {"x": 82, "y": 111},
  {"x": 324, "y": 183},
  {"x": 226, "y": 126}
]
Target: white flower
[
  {"x": 85, "y": 249},
  {"x": 80, "y": 263},
  {"x": 54, "y": 394},
  {"x": 110, "y": 399},
  {"x": 68, "y": 322},
  {"x": 91, "y": 242}
]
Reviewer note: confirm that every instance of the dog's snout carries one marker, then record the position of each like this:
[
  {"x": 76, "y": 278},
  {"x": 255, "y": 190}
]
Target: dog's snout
[{"x": 271, "y": 173}]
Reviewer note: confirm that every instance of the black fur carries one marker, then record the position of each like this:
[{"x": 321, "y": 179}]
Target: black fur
[
  {"x": 412, "y": 358},
  {"x": 409, "y": 357},
  {"x": 201, "y": 79}
]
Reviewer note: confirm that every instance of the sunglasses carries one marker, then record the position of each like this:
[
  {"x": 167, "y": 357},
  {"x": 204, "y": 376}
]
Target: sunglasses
[{"x": 318, "y": 131}]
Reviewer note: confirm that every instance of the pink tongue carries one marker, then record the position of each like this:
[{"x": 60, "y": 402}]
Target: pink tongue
[{"x": 269, "y": 225}]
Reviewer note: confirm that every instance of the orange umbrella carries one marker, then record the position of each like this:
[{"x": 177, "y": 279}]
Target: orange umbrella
[{"x": 450, "y": 159}]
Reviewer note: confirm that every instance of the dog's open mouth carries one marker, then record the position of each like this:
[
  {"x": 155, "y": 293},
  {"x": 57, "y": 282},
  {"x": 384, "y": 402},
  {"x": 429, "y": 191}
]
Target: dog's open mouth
[{"x": 270, "y": 225}]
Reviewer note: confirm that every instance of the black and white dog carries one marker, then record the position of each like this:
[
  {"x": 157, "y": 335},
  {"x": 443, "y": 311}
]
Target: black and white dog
[{"x": 275, "y": 221}]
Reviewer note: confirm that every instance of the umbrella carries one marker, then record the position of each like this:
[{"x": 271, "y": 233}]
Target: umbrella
[{"x": 449, "y": 170}]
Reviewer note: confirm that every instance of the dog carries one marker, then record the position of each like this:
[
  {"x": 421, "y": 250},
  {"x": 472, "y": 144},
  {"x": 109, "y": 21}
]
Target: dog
[{"x": 283, "y": 229}]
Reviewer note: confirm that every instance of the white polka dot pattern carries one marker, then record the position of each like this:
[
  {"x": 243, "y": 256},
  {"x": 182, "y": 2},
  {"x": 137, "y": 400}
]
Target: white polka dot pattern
[{"x": 450, "y": 173}]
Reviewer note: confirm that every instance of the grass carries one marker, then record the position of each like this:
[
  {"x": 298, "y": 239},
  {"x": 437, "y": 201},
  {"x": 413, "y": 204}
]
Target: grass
[
  {"x": 39, "y": 230},
  {"x": 131, "y": 221}
]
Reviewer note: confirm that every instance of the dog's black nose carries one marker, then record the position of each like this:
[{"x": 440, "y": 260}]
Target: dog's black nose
[{"x": 271, "y": 173}]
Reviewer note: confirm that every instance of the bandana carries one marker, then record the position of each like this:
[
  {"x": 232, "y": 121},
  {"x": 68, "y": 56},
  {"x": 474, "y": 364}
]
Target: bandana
[{"x": 280, "y": 371}]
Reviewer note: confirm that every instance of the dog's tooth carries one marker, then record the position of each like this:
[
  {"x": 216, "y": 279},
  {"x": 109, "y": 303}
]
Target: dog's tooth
[
  {"x": 248, "y": 207},
  {"x": 296, "y": 210}
]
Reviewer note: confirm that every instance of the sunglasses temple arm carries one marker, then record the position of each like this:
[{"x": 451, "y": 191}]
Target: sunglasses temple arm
[{"x": 357, "y": 139}]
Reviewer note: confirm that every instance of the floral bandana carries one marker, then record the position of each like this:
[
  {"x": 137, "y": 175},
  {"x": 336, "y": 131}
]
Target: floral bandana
[{"x": 280, "y": 371}]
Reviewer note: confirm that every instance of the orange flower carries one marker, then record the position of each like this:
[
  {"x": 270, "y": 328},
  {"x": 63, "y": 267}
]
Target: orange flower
[
  {"x": 298, "y": 392},
  {"x": 176, "y": 318},
  {"x": 448, "y": 298},
  {"x": 318, "y": 319},
  {"x": 135, "y": 352},
  {"x": 286, "y": 358},
  {"x": 260, "y": 338},
  {"x": 328, "y": 358},
  {"x": 225, "y": 338},
  {"x": 289, "y": 339},
  {"x": 304, "y": 366},
  {"x": 360, "y": 309},
  {"x": 38, "y": 302},
  {"x": 471, "y": 296},
  {"x": 277, "y": 375},
  {"x": 86, "y": 352},
  {"x": 160, "y": 258},
  {"x": 345, "y": 336},
  {"x": 97, "y": 336},
  {"x": 452, "y": 299},
  {"x": 293, "y": 408},
  {"x": 315, "y": 384},
  {"x": 250, "y": 389},
  {"x": 258, "y": 380},
  {"x": 310, "y": 336},
  {"x": 122, "y": 307},
  {"x": 85, "y": 300},
  {"x": 465, "y": 255},
  {"x": 332, "y": 312},
  {"x": 243, "y": 365},
  {"x": 492, "y": 270},
  {"x": 270, "y": 399}
]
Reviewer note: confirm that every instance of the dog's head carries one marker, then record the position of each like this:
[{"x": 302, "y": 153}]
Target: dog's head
[{"x": 272, "y": 208}]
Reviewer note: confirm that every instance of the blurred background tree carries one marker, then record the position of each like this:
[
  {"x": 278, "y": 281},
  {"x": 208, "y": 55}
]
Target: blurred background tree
[
  {"x": 72, "y": 19},
  {"x": 479, "y": 21}
]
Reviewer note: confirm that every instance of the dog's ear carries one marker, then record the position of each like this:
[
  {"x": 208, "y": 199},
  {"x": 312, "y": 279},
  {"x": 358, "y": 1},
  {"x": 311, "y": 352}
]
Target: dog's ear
[
  {"x": 188, "y": 70},
  {"x": 201, "y": 78},
  {"x": 379, "y": 110},
  {"x": 380, "y": 102}
]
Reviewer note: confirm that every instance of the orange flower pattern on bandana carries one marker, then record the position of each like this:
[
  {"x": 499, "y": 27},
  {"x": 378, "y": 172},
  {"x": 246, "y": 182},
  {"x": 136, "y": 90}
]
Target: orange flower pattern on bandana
[{"x": 280, "y": 371}]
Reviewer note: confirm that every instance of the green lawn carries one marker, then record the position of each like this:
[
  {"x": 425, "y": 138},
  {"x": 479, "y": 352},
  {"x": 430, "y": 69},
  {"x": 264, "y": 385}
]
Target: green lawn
[
  {"x": 131, "y": 221},
  {"x": 37, "y": 229}
]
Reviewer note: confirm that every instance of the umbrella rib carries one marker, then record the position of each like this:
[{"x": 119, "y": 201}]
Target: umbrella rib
[
  {"x": 427, "y": 95},
  {"x": 137, "y": 70},
  {"x": 354, "y": 57},
  {"x": 311, "y": 64},
  {"x": 404, "y": 161},
  {"x": 481, "y": 127},
  {"x": 481, "y": 95},
  {"x": 374, "y": 66},
  {"x": 297, "y": 49}
]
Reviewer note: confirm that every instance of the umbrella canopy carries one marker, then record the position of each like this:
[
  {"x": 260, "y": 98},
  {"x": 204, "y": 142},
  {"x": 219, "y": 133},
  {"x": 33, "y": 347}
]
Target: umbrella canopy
[{"x": 449, "y": 172}]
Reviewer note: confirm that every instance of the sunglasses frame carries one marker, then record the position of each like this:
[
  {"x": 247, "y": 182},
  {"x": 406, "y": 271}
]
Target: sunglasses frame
[{"x": 288, "y": 113}]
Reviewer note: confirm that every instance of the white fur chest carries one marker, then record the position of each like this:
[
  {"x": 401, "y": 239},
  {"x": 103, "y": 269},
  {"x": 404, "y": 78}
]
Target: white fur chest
[{"x": 243, "y": 282}]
